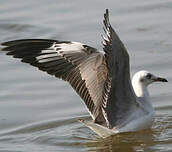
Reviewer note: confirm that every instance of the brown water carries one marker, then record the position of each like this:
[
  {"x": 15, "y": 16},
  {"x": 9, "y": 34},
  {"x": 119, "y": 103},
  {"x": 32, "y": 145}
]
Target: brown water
[{"x": 39, "y": 112}]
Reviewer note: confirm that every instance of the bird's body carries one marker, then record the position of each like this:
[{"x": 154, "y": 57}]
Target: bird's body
[
  {"x": 102, "y": 80},
  {"x": 141, "y": 116}
]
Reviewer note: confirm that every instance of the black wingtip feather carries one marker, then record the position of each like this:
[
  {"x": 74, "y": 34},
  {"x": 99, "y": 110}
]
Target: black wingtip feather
[
  {"x": 15, "y": 42},
  {"x": 106, "y": 19}
]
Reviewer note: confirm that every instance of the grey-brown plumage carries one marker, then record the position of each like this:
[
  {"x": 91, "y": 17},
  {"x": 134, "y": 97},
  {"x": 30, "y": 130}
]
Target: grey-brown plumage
[
  {"x": 82, "y": 66},
  {"x": 98, "y": 78},
  {"x": 118, "y": 96}
]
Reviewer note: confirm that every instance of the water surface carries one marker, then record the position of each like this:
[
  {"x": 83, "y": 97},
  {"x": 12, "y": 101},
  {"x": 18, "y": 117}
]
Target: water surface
[{"x": 39, "y": 112}]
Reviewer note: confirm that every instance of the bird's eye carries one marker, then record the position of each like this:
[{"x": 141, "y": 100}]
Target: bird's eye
[{"x": 148, "y": 76}]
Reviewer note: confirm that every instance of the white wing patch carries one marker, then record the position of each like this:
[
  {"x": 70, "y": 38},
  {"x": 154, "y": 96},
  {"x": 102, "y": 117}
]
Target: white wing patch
[
  {"x": 67, "y": 47},
  {"x": 44, "y": 56},
  {"x": 60, "y": 49}
]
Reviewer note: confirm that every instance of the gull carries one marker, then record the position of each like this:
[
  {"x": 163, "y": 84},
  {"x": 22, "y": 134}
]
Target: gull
[{"x": 115, "y": 103}]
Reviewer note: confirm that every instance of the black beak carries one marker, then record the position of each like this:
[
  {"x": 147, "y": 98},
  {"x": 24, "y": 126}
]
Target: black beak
[{"x": 161, "y": 79}]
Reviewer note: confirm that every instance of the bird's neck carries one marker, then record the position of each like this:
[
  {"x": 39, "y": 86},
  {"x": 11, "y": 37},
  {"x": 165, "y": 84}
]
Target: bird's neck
[{"x": 141, "y": 90}]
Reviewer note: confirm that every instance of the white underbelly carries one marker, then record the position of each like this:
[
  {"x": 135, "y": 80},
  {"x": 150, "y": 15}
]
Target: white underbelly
[{"x": 139, "y": 123}]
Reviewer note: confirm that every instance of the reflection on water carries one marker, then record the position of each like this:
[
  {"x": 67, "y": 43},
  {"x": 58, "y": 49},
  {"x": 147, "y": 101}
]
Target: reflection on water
[
  {"x": 146, "y": 140},
  {"x": 39, "y": 112},
  {"x": 123, "y": 142},
  {"x": 75, "y": 136}
]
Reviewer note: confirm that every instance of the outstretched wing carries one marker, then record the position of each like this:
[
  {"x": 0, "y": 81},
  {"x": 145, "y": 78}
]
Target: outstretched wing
[
  {"x": 118, "y": 95},
  {"x": 81, "y": 65}
]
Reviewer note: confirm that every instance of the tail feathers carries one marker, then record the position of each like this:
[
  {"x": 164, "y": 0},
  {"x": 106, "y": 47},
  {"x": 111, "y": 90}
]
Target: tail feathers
[{"x": 98, "y": 129}]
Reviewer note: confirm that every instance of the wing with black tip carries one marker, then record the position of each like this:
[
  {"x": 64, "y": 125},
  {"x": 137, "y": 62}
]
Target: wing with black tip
[{"x": 81, "y": 65}]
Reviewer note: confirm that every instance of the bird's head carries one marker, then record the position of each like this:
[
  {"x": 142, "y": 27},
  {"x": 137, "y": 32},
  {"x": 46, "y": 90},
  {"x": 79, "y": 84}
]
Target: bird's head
[{"x": 146, "y": 78}]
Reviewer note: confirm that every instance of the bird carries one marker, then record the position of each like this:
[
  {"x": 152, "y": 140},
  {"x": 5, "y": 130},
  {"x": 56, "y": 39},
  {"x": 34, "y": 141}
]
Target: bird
[{"x": 102, "y": 79}]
